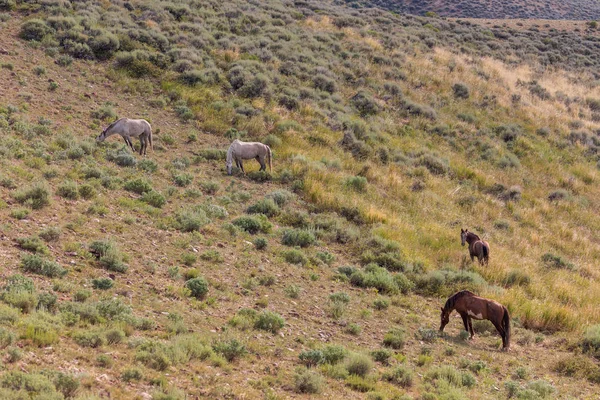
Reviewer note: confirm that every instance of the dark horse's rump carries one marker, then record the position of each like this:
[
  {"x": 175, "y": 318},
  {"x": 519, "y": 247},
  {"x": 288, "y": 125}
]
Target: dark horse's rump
[
  {"x": 477, "y": 247},
  {"x": 469, "y": 306}
]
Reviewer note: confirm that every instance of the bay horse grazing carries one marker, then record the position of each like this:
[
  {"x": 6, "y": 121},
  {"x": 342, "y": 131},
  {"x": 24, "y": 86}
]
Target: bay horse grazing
[
  {"x": 469, "y": 306},
  {"x": 129, "y": 128},
  {"x": 477, "y": 247},
  {"x": 239, "y": 151}
]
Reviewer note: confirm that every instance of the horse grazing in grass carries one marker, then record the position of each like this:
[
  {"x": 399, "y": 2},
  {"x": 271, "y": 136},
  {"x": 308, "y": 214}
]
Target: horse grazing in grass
[
  {"x": 129, "y": 128},
  {"x": 239, "y": 151},
  {"x": 477, "y": 247},
  {"x": 469, "y": 306}
]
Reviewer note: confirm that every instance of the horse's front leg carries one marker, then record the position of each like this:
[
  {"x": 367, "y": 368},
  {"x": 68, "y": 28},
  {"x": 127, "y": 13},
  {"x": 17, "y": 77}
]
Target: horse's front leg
[
  {"x": 130, "y": 144},
  {"x": 242, "y": 167},
  {"x": 465, "y": 319},
  {"x": 471, "y": 327}
]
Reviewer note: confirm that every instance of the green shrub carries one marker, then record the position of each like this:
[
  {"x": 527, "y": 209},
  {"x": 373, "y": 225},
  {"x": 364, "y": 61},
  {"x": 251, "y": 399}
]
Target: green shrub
[
  {"x": 114, "y": 336},
  {"x": 260, "y": 243},
  {"x": 102, "y": 283},
  {"x": 517, "y": 278},
  {"x": 33, "y": 244},
  {"x": 553, "y": 261},
  {"x": 36, "y": 196},
  {"x": 460, "y": 90},
  {"x": 359, "y": 364},
  {"x": 401, "y": 376},
  {"x": 381, "y": 304},
  {"x": 108, "y": 255},
  {"x": 188, "y": 259},
  {"x": 451, "y": 376},
  {"x": 198, "y": 287},
  {"x": 269, "y": 321},
  {"x": 253, "y": 224},
  {"x": 294, "y": 256},
  {"x": 6, "y": 338},
  {"x": 37, "y": 265},
  {"x": 87, "y": 191},
  {"x": 190, "y": 220},
  {"x": 138, "y": 185},
  {"x": 281, "y": 197},
  {"x": 34, "y": 29},
  {"x": 20, "y": 213},
  {"x": 66, "y": 384},
  {"x": 230, "y": 349},
  {"x": 354, "y": 329},
  {"x": 265, "y": 206},
  {"x": 359, "y": 384},
  {"x": 19, "y": 292},
  {"x": 381, "y": 356},
  {"x": 89, "y": 339},
  {"x": 541, "y": 387},
  {"x": 154, "y": 198},
  {"x": 28, "y": 385},
  {"x": 307, "y": 381},
  {"x": 82, "y": 295},
  {"x": 395, "y": 338},
  {"x": 122, "y": 157},
  {"x": 298, "y": 237},
  {"x": 68, "y": 190},
  {"x": 333, "y": 354},
  {"x": 357, "y": 183},
  {"x": 310, "y": 358},
  {"x": 183, "y": 180},
  {"x": 209, "y": 188},
  {"x": 104, "y": 361},
  {"x": 292, "y": 291},
  {"x": 47, "y": 301},
  {"x": 590, "y": 343},
  {"x": 132, "y": 374}
]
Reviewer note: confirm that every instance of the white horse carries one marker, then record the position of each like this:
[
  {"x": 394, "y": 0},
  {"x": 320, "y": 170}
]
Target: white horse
[
  {"x": 239, "y": 151},
  {"x": 129, "y": 128}
]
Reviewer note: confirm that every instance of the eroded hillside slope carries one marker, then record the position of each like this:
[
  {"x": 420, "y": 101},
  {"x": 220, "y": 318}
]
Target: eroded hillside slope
[{"x": 162, "y": 276}]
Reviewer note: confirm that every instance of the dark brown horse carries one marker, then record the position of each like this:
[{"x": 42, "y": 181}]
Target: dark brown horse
[
  {"x": 469, "y": 306},
  {"x": 477, "y": 247}
]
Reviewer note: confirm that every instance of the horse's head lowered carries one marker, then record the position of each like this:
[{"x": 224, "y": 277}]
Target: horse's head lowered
[
  {"x": 102, "y": 136},
  {"x": 463, "y": 236},
  {"x": 444, "y": 319}
]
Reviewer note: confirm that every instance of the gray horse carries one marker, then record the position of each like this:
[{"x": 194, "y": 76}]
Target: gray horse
[
  {"x": 129, "y": 128},
  {"x": 239, "y": 151}
]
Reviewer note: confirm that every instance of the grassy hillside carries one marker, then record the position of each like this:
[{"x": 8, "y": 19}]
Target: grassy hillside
[
  {"x": 502, "y": 9},
  {"x": 161, "y": 277}
]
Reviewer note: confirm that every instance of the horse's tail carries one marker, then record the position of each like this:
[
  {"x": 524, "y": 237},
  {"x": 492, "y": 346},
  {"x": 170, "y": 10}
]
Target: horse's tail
[
  {"x": 150, "y": 139},
  {"x": 270, "y": 158},
  {"x": 506, "y": 325},
  {"x": 486, "y": 252}
]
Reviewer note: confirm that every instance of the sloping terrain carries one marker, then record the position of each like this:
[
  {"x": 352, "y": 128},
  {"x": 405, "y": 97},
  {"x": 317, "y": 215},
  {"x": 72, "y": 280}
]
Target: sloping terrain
[
  {"x": 162, "y": 277},
  {"x": 501, "y": 9}
]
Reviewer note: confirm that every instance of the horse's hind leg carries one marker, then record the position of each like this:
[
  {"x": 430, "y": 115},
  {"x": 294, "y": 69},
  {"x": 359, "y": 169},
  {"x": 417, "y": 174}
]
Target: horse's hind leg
[
  {"x": 261, "y": 161},
  {"x": 502, "y": 333}
]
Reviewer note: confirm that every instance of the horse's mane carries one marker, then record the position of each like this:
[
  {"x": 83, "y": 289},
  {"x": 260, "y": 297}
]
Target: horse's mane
[
  {"x": 452, "y": 299},
  {"x": 112, "y": 125},
  {"x": 473, "y": 234}
]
